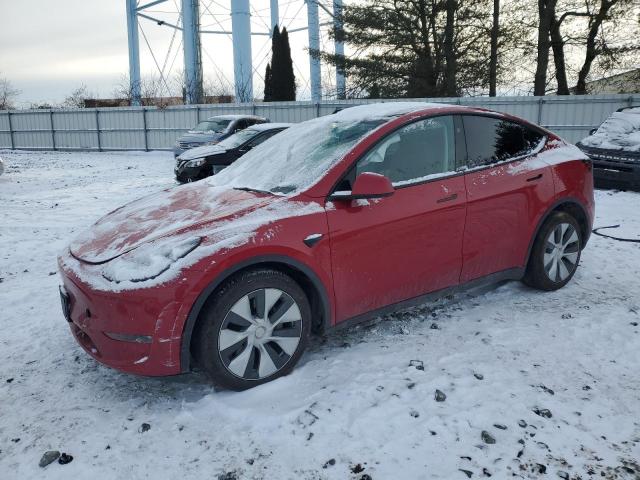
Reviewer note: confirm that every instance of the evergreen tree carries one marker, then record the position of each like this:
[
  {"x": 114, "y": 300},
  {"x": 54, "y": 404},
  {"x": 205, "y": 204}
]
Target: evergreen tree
[
  {"x": 288, "y": 78},
  {"x": 280, "y": 81},
  {"x": 267, "y": 83}
]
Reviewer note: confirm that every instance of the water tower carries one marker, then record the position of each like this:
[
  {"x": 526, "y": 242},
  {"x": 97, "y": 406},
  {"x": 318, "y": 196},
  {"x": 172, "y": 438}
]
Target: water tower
[{"x": 241, "y": 33}]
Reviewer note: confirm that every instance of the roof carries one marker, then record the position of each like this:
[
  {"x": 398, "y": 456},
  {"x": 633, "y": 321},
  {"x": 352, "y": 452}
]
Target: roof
[
  {"x": 383, "y": 110},
  {"x": 261, "y": 127},
  {"x": 234, "y": 117}
]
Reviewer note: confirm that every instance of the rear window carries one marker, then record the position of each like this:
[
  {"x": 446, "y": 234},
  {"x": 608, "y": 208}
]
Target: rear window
[{"x": 491, "y": 140}]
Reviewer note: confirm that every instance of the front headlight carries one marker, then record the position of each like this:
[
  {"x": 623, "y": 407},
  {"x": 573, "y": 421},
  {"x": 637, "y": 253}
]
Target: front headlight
[
  {"x": 149, "y": 260},
  {"x": 198, "y": 162}
]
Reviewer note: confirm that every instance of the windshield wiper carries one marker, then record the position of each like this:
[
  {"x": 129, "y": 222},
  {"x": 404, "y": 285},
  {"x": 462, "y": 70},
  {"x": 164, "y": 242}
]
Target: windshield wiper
[{"x": 249, "y": 189}]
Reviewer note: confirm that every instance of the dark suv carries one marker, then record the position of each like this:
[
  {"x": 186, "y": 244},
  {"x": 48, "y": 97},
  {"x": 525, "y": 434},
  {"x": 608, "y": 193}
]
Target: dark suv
[
  {"x": 213, "y": 130},
  {"x": 202, "y": 162},
  {"x": 614, "y": 148}
]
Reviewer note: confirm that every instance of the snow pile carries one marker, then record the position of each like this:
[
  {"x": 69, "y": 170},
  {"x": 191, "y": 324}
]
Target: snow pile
[
  {"x": 621, "y": 131},
  {"x": 551, "y": 377},
  {"x": 149, "y": 260},
  {"x": 298, "y": 157}
]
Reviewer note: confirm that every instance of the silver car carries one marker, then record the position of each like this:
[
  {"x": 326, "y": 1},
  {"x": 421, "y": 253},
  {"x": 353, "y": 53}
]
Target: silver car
[{"x": 213, "y": 130}]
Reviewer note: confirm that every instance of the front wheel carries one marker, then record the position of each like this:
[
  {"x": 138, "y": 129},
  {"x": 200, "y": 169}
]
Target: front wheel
[
  {"x": 253, "y": 330},
  {"x": 556, "y": 253}
]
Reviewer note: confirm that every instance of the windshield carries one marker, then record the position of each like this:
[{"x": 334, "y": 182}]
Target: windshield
[
  {"x": 238, "y": 139},
  {"x": 298, "y": 157},
  {"x": 212, "y": 126}
]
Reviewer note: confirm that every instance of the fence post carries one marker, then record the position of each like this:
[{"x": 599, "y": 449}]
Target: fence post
[
  {"x": 53, "y": 132},
  {"x": 317, "y": 109},
  {"x": 144, "y": 124},
  {"x": 98, "y": 130},
  {"x": 13, "y": 145},
  {"x": 540, "y": 102}
]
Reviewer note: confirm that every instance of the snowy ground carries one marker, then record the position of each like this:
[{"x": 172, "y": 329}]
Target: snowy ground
[{"x": 354, "y": 408}]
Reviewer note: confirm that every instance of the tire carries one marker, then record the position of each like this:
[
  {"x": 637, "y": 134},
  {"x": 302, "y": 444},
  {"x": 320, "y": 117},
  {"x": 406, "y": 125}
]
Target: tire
[
  {"x": 556, "y": 253},
  {"x": 237, "y": 345}
]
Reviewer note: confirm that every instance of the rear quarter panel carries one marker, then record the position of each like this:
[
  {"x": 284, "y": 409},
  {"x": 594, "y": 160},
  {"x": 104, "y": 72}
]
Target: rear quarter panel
[{"x": 574, "y": 180}]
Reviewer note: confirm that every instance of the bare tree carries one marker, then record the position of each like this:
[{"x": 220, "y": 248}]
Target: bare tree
[
  {"x": 77, "y": 98},
  {"x": 150, "y": 91},
  {"x": 493, "y": 56},
  {"x": 8, "y": 94},
  {"x": 546, "y": 14}
]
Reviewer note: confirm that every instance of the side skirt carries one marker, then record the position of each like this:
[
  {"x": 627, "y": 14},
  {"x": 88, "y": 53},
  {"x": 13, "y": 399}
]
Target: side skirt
[{"x": 491, "y": 279}]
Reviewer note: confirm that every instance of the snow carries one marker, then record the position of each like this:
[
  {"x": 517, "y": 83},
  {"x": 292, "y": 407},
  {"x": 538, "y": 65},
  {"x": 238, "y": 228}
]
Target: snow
[
  {"x": 296, "y": 158},
  {"x": 354, "y": 397},
  {"x": 201, "y": 152},
  {"x": 621, "y": 131},
  {"x": 557, "y": 151},
  {"x": 263, "y": 127}
]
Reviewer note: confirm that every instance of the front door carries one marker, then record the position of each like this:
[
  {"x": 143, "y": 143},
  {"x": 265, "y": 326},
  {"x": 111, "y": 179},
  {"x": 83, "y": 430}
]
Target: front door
[{"x": 400, "y": 247}]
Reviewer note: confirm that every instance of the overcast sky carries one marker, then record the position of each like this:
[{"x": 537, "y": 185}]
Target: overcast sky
[{"x": 48, "y": 48}]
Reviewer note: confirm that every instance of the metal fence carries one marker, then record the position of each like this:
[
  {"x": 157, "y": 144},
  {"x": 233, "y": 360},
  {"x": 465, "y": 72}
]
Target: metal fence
[{"x": 151, "y": 128}]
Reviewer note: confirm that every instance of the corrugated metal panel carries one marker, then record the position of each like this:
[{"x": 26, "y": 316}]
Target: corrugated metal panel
[
  {"x": 142, "y": 128},
  {"x": 5, "y": 136}
]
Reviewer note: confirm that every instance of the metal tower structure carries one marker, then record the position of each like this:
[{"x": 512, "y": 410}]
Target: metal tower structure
[
  {"x": 192, "y": 52},
  {"x": 241, "y": 33}
]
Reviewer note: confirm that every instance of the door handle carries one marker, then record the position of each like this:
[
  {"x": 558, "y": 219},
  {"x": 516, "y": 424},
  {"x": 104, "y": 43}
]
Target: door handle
[
  {"x": 447, "y": 199},
  {"x": 533, "y": 179}
]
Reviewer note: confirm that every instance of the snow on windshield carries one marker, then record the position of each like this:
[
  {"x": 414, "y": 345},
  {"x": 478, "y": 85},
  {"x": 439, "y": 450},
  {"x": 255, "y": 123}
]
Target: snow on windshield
[
  {"x": 298, "y": 157},
  {"x": 212, "y": 126},
  {"x": 238, "y": 139},
  {"x": 621, "y": 131}
]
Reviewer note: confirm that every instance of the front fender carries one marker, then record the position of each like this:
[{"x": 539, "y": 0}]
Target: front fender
[{"x": 281, "y": 243}]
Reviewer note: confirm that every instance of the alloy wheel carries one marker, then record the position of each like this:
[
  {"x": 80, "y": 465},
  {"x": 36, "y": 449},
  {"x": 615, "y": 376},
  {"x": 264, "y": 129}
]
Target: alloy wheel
[
  {"x": 260, "y": 334},
  {"x": 561, "y": 252}
]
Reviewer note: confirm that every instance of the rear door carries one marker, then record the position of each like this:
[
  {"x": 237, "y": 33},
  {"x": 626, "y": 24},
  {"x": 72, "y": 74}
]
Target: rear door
[
  {"x": 507, "y": 189},
  {"x": 396, "y": 248}
]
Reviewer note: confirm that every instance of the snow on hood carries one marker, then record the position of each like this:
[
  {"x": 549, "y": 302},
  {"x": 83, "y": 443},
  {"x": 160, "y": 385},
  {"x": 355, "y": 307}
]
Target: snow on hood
[
  {"x": 221, "y": 220},
  {"x": 200, "y": 152},
  {"x": 164, "y": 213},
  {"x": 621, "y": 131}
]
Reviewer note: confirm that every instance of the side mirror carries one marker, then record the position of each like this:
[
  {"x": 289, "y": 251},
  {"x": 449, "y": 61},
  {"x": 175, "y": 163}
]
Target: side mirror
[
  {"x": 367, "y": 185},
  {"x": 592, "y": 131}
]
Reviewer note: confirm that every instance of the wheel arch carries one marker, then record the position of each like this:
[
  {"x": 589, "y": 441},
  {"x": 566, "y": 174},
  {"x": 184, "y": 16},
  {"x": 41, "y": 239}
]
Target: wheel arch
[
  {"x": 569, "y": 205},
  {"x": 300, "y": 272}
]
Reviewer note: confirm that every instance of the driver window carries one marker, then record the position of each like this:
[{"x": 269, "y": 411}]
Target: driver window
[{"x": 413, "y": 153}]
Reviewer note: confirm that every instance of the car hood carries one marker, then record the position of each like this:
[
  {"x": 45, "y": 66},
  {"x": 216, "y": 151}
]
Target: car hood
[
  {"x": 620, "y": 132},
  {"x": 169, "y": 212},
  {"x": 200, "y": 152}
]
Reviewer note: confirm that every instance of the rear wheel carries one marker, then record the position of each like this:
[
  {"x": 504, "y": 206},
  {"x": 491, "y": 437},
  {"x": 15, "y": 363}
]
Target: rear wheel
[
  {"x": 253, "y": 330},
  {"x": 556, "y": 253}
]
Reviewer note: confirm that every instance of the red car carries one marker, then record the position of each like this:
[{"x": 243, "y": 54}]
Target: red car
[{"x": 333, "y": 221}]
